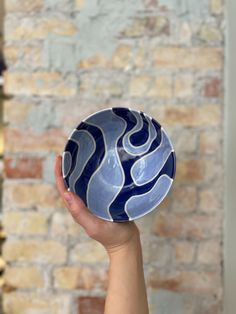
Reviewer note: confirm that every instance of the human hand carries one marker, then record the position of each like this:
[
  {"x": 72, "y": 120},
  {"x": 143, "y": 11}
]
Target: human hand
[{"x": 112, "y": 235}]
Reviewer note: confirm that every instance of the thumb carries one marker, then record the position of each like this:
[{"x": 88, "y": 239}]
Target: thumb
[{"x": 78, "y": 210}]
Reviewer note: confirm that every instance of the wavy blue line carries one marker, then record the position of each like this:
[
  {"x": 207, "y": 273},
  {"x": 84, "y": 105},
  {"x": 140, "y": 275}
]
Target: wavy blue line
[
  {"x": 140, "y": 137},
  {"x": 141, "y": 149},
  {"x": 141, "y": 171},
  {"x": 72, "y": 148},
  {"x": 144, "y": 203},
  {"x": 94, "y": 161},
  {"x": 108, "y": 180},
  {"x": 132, "y": 190},
  {"x": 87, "y": 147},
  {"x": 66, "y": 163},
  {"x": 128, "y": 160}
]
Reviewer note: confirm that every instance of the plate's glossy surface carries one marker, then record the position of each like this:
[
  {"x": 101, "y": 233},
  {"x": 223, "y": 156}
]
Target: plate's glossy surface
[{"x": 120, "y": 162}]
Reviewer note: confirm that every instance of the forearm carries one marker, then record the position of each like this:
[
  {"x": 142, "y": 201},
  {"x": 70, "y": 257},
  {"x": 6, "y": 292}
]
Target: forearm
[{"x": 126, "y": 286}]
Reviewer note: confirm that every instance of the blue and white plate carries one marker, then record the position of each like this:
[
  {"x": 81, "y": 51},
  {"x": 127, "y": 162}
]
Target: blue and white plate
[{"x": 120, "y": 162}]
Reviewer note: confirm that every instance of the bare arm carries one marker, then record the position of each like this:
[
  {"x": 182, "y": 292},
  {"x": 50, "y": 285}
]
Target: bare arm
[{"x": 126, "y": 285}]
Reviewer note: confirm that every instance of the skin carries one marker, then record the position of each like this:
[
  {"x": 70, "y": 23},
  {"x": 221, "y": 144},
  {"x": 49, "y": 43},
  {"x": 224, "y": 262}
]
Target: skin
[{"x": 126, "y": 291}]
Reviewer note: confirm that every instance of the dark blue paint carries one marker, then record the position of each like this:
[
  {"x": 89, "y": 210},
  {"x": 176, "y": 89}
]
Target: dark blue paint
[
  {"x": 94, "y": 161},
  {"x": 134, "y": 189},
  {"x": 72, "y": 148},
  {"x": 130, "y": 188},
  {"x": 139, "y": 138}
]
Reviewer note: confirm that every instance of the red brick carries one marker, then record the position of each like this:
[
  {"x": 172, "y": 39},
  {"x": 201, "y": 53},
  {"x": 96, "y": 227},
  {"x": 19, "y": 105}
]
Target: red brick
[
  {"x": 200, "y": 283},
  {"x": 187, "y": 227},
  {"x": 189, "y": 116},
  {"x": 23, "y": 167},
  {"x": 197, "y": 170},
  {"x": 16, "y": 140},
  {"x": 190, "y": 170},
  {"x": 212, "y": 87},
  {"x": 91, "y": 305}
]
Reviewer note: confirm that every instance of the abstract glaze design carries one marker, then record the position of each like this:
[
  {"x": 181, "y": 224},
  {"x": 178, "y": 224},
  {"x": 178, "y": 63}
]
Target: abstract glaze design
[{"x": 120, "y": 162}]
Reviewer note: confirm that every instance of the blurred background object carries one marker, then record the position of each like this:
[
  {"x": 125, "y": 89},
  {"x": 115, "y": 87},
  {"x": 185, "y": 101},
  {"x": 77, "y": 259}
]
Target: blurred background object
[
  {"x": 68, "y": 59},
  {"x": 2, "y": 68}
]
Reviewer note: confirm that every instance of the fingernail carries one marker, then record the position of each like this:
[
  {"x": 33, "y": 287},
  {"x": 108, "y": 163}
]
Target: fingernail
[{"x": 68, "y": 197}]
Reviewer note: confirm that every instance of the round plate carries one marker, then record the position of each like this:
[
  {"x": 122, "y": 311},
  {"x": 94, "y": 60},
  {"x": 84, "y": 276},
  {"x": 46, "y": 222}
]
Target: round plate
[{"x": 120, "y": 162}]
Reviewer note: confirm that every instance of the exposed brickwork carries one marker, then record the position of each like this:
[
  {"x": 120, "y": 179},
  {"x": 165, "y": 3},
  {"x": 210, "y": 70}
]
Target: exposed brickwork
[
  {"x": 91, "y": 305},
  {"x": 195, "y": 227},
  {"x": 23, "y": 302},
  {"x": 165, "y": 60},
  {"x": 24, "y": 6},
  {"x": 23, "y": 167},
  {"x": 212, "y": 88},
  {"x": 40, "y": 251},
  {"x": 201, "y": 283},
  {"x": 80, "y": 278},
  {"x": 25, "y": 223},
  {"x": 40, "y": 83},
  {"x": 23, "y": 277},
  {"x": 191, "y": 58}
]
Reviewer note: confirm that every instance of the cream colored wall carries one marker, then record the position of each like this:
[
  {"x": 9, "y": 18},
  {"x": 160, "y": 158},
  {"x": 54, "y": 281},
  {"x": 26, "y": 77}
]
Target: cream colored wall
[{"x": 230, "y": 153}]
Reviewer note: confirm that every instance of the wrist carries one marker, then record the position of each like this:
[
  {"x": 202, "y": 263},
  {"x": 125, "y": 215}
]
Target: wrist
[{"x": 131, "y": 245}]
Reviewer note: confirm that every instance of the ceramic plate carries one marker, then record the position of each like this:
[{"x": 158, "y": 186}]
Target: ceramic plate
[{"x": 121, "y": 162}]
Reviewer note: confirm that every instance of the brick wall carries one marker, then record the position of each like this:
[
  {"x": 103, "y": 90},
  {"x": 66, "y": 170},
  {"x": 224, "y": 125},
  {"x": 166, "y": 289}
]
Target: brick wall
[{"x": 67, "y": 59}]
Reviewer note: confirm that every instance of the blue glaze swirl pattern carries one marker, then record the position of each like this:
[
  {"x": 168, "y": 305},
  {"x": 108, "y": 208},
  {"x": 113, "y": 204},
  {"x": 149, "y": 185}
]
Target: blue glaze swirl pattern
[{"x": 120, "y": 162}]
